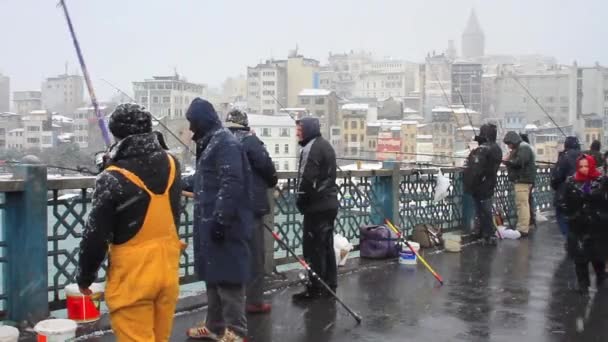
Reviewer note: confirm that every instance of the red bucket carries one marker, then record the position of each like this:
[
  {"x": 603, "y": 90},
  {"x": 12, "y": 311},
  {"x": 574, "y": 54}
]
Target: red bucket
[{"x": 81, "y": 308}]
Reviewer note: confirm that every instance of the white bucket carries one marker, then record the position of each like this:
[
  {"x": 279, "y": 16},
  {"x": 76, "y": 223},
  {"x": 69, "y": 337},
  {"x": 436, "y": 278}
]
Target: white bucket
[
  {"x": 56, "y": 330},
  {"x": 81, "y": 308},
  {"x": 407, "y": 257},
  {"x": 9, "y": 334},
  {"x": 452, "y": 243}
]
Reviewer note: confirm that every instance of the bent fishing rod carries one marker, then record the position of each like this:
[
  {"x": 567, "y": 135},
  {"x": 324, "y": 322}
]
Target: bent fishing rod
[{"x": 153, "y": 117}]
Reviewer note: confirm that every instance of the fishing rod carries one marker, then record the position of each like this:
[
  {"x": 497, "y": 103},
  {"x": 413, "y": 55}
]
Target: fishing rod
[
  {"x": 100, "y": 118},
  {"x": 78, "y": 169},
  {"x": 153, "y": 117},
  {"x": 445, "y": 95},
  {"x": 441, "y": 156},
  {"x": 538, "y": 103},
  {"x": 466, "y": 111}
]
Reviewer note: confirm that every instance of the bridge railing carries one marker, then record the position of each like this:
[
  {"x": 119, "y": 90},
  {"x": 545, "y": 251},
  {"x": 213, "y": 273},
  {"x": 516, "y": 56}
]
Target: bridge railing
[{"x": 43, "y": 221}]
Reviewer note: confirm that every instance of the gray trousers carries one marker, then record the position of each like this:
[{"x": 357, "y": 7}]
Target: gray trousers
[
  {"x": 255, "y": 288},
  {"x": 226, "y": 308}
]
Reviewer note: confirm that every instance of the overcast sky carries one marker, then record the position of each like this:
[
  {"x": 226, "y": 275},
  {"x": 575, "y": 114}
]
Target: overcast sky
[{"x": 209, "y": 40}]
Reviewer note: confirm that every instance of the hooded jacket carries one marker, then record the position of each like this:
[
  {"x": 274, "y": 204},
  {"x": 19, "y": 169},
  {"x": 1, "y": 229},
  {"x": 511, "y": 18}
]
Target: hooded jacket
[
  {"x": 522, "y": 162},
  {"x": 317, "y": 189},
  {"x": 565, "y": 166},
  {"x": 264, "y": 173},
  {"x": 594, "y": 151},
  {"x": 119, "y": 206},
  {"x": 480, "y": 174},
  {"x": 222, "y": 199}
]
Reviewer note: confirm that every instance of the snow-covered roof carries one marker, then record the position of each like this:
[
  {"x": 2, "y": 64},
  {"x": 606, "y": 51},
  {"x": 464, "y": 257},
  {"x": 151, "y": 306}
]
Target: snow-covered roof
[
  {"x": 468, "y": 128},
  {"x": 442, "y": 109},
  {"x": 293, "y": 109},
  {"x": 270, "y": 120},
  {"x": 101, "y": 107},
  {"x": 366, "y": 166},
  {"x": 395, "y": 128},
  {"x": 63, "y": 119},
  {"x": 458, "y": 110},
  {"x": 314, "y": 92},
  {"x": 531, "y": 127},
  {"x": 39, "y": 111},
  {"x": 424, "y": 136},
  {"x": 16, "y": 130},
  {"x": 408, "y": 110},
  {"x": 464, "y": 111},
  {"x": 355, "y": 106}
]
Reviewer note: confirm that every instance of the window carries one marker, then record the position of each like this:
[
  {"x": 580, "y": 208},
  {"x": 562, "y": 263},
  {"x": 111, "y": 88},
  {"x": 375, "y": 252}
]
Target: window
[
  {"x": 286, "y": 150},
  {"x": 550, "y": 99},
  {"x": 605, "y": 95},
  {"x": 268, "y": 73},
  {"x": 166, "y": 99},
  {"x": 268, "y": 92},
  {"x": 161, "y": 86},
  {"x": 286, "y": 165},
  {"x": 33, "y": 129},
  {"x": 362, "y": 138},
  {"x": 154, "y": 99},
  {"x": 284, "y": 132},
  {"x": 268, "y": 102},
  {"x": 345, "y": 124},
  {"x": 276, "y": 165},
  {"x": 353, "y": 124},
  {"x": 369, "y": 144},
  {"x": 606, "y": 111},
  {"x": 305, "y": 101},
  {"x": 353, "y": 138},
  {"x": 33, "y": 140},
  {"x": 444, "y": 128},
  {"x": 268, "y": 83},
  {"x": 169, "y": 111},
  {"x": 588, "y": 139},
  {"x": 564, "y": 110},
  {"x": 144, "y": 99},
  {"x": 320, "y": 101},
  {"x": 276, "y": 149},
  {"x": 268, "y": 111},
  {"x": 405, "y": 149}
]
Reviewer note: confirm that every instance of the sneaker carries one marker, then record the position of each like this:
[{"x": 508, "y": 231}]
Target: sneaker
[
  {"x": 306, "y": 295},
  {"x": 259, "y": 308},
  {"x": 201, "y": 332},
  {"x": 231, "y": 336}
]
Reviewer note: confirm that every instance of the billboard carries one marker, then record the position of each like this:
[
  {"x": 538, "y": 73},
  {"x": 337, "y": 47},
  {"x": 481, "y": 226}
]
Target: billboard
[{"x": 388, "y": 147}]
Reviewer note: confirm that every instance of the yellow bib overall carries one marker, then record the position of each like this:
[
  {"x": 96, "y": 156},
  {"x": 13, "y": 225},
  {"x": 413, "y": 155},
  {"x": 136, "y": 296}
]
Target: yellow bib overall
[{"x": 143, "y": 276}]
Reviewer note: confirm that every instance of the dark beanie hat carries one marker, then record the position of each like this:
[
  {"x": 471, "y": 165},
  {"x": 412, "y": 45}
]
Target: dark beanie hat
[{"x": 129, "y": 119}]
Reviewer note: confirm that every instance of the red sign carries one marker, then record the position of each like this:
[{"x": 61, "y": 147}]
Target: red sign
[{"x": 388, "y": 147}]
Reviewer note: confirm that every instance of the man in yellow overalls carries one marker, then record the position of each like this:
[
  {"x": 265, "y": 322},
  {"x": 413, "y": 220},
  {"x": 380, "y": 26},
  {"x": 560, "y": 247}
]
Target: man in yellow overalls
[{"x": 134, "y": 216}]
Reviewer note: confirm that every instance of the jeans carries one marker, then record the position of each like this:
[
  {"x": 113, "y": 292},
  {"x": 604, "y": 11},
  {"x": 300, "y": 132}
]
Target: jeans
[
  {"x": 318, "y": 248},
  {"x": 226, "y": 308},
  {"x": 562, "y": 222},
  {"x": 483, "y": 210}
]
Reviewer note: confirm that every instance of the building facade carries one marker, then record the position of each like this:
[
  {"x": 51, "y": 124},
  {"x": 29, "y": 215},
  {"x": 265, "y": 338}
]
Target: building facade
[
  {"x": 278, "y": 133},
  {"x": 27, "y": 101},
  {"x": 467, "y": 89},
  {"x": 323, "y": 104},
  {"x": 168, "y": 96},
  {"x": 267, "y": 87},
  {"x": 63, "y": 93},
  {"x": 5, "y": 93},
  {"x": 302, "y": 73}
]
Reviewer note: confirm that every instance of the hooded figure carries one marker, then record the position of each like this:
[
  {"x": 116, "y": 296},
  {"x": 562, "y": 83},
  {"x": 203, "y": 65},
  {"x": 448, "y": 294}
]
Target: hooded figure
[
  {"x": 480, "y": 177},
  {"x": 317, "y": 200},
  {"x": 135, "y": 215},
  {"x": 264, "y": 177},
  {"x": 584, "y": 204},
  {"x": 521, "y": 165},
  {"x": 595, "y": 152},
  {"x": 223, "y": 221},
  {"x": 564, "y": 168}
]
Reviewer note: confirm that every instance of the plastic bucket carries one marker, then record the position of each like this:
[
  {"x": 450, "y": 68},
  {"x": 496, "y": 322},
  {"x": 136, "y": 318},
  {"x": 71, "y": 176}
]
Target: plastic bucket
[
  {"x": 9, "y": 334},
  {"x": 406, "y": 256},
  {"x": 56, "y": 330},
  {"x": 81, "y": 308}
]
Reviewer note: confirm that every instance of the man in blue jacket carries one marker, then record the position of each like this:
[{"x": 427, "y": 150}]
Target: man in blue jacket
[
  {"x": 264, "y": 177},
  {"x": 223, "y": 223},
  {"x": 564, "y": 168}
]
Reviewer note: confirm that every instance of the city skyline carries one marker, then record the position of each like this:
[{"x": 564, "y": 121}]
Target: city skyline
[{"x": 404, "y": 31}]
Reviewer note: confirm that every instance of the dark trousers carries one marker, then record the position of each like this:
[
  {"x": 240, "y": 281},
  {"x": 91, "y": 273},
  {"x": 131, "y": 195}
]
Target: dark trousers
[
  {"x": 318, "y": 245},
  {"x": 255, "y": 288},
  {"x": 582, "y": 272},
  {"x": 483, "y": 211}
]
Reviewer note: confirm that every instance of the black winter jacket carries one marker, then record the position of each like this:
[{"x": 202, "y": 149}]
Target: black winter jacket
[
  {"x": 480, "y": 173},
  {"x": 565, "y": 167},
  {"x": 522, "y": 161},
  {"x": 264, "y": 172},
  {"x": 119, "y": 206},
  {"x": 587, "y": 214},
  {"x": 317, "y": 189}
]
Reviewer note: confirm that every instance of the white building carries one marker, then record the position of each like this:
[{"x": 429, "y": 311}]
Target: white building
[
  {"x": 278, "y": 132},
  {"x": 63, "y": 93},
  {"x": 5, "y": 93},
  {"x": 15, "y": 139},
  {"x": 424, "y": 148},
  {"x": 38, "y": 131},
  {"x": 267, "y": 87},
  {"x": 168, "y": 96},
  {"x": 27, "y": 101},
  {"x": 436, "y": 84}
]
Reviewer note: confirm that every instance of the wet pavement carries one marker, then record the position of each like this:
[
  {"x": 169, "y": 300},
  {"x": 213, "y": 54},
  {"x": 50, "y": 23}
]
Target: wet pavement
[{"x": 518, "y": 291}]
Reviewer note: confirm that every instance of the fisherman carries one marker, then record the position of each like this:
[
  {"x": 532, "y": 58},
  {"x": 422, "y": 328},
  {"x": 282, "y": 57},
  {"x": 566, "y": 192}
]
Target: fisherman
[
  {"x": 223, "y": 224},
  {"x": 521, "y": 165},
  {"x": 264, "y": 177},
  {"x": 480, "y": 178},
  {"x": 317, "y": 200},
  {"x": 134, "y": 217},
  {"x": 564, "y": 168}
]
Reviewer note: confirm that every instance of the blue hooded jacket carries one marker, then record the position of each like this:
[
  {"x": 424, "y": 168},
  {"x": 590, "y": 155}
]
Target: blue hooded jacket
[{"x": 222, "y": 196}]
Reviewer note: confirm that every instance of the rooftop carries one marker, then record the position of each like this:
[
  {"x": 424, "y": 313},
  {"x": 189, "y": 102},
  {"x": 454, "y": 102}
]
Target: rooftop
[
  {"x": 355, "y": 106},
  {"x": 256, "y": 120},
  {"x": 315, "y": 92}
]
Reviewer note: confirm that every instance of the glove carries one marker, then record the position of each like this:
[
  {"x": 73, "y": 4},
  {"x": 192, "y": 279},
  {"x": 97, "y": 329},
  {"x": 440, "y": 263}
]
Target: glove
[{"x": 218, "y": 232}]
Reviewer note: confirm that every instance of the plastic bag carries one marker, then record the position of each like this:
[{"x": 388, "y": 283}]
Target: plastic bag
[
  {"x": 341, "y": 248},
  {"x": 509, "y": 234},
  {"x": 540, "y": 217},
  {"x": 442, "y": 187}
]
